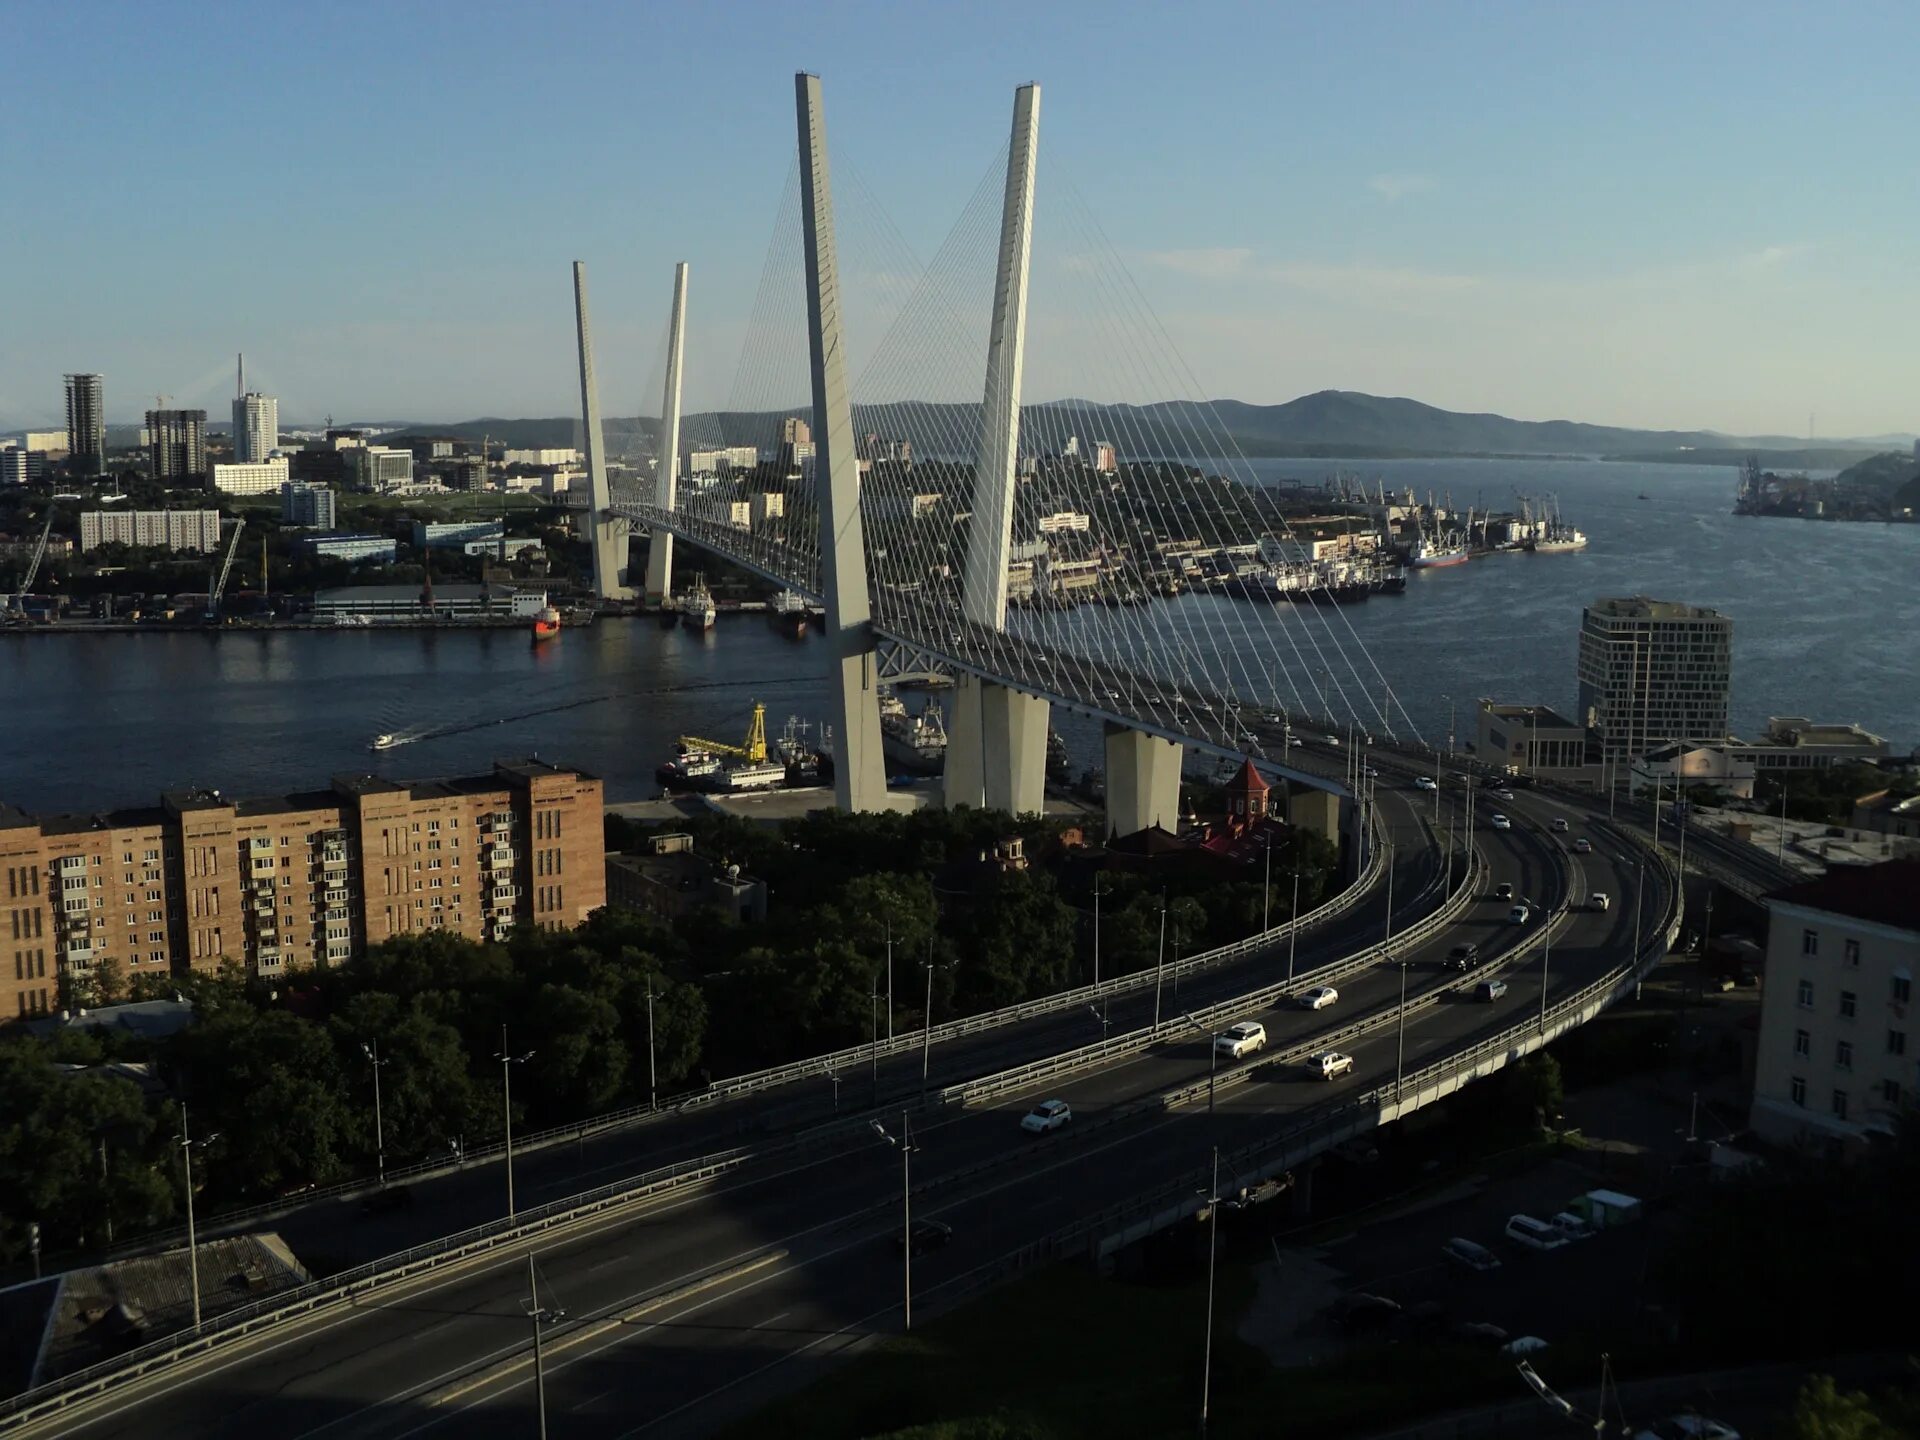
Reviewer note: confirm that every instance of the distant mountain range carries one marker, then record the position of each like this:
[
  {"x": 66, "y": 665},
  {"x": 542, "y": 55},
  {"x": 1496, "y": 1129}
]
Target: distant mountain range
[{"x": 1331, "y": 423}]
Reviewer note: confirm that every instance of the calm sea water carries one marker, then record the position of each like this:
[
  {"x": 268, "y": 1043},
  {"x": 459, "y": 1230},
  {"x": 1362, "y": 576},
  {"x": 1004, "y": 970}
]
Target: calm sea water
[{"x": 1825, "y": 624}]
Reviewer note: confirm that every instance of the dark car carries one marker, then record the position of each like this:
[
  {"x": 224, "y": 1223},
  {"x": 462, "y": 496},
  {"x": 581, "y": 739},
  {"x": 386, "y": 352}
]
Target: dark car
[
  {"x": 928, "y": 1235},
  {"x": 386, "y": 1201},
  {"x": 1503, "y": 891},
  {"x": 1463, "y": 957},
  {"x": 1360, "y": 1311}
]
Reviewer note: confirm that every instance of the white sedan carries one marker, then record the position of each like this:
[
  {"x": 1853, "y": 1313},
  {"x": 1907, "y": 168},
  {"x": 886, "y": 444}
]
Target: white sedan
[
  {"x": 1321, "y": 998},
  {"x": 1425, "y": 782},
  {"x": 1047, "y": 1115},
  {"x": 1500, "y": 822}
]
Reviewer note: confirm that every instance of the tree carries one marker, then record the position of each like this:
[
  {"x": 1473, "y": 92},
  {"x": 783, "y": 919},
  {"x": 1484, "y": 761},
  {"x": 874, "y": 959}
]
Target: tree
[
  {"x": 1020, "y": 943},
  {"x": 580, "y": 1058},
  {"x": 1824, "y": 1412}
]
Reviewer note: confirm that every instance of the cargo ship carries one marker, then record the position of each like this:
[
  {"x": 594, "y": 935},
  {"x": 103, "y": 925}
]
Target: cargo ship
[
  {"x": 915, "y": 742},
  {"x": 546, "y": 624},
  {"x": 697, "y": 610},
  {"x": 788, "y": 612},
  {"x": 1433, "y": 553}
]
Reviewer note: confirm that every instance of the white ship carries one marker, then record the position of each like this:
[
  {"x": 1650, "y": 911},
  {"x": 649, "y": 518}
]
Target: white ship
[
  {"x": 914, "y": 742},
  {"x": 788, "y": 612},
  {"x": 697, "y": 610}
]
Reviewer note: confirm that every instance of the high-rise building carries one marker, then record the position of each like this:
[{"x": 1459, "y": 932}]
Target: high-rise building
[
  {"x": 86, "y": 423},
  {"x": 256, "y": 427},
  {"x": 193, "y": 530},
  {"x": 795, "y": 431},
  {"x": 177, "y": 443},
  {"x": 264, "y": 478},
  {"x": 1653, "y": 671},
  {"x": 381, "y": 468},
  {"x": 290, "y": 882},
  {"x": 22, "y": 467},
  {"x": 303, "y": 504}
]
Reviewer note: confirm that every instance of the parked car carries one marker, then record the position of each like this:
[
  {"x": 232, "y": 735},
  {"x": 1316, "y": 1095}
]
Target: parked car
[
  {"x": 1688, "y": 1427},
  {"x": 1583, "y": 846},
  {"x": 1525, "y": 1345},
  {"x": 1241, "y": 1040},
  {"x": 1503, "y": 891},
  {"x": 1571, "y": 1226},
  {"x": 1559, "y": 825},
  {"x": 1500, "y": 821},
  {"x": 1047, "y": 1115},
  {"x": 1463, "y": 956},
  {"x": 1361, "y": 1311},
  {"x": 1489, "y": 990},
  {"x": 1467, "y": 1253},
  {"x": 1425, "y": 782},
  {"x": 1330, "y": 1064},
  {"x": 1534, "y": 1234},
  {"x": 1519, "y": 915},
  {"x": 1320, "y": 998},
  {"x": 1600, "y": 900},
  {"x": 928, "y": 1235}
]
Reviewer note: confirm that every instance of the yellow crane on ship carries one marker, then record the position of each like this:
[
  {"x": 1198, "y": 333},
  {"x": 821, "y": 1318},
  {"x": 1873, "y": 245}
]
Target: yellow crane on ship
[{"x": 753, "y": 751}]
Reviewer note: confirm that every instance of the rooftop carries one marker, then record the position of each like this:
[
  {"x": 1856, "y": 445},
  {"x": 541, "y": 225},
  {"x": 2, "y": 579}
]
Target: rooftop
[
  {"x": 1887, "y": 894},
  {"x": 148, "y": 1019},
  {"x": 1797, "y": 730},
  {"x": 1642, "y": 607},
  {"x": 1539, "y": 715}
]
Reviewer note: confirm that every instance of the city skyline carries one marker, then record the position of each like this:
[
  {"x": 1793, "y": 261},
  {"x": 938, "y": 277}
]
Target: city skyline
[{"x": 1613, "y": 235}]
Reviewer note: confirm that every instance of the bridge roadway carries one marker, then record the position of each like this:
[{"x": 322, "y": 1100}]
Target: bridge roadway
[
  {"x": 336, "y": 1234},
  {"x": 427, "y": 1358}
]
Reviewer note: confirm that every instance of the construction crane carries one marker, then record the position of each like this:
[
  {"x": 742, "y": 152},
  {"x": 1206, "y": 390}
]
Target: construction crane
[
  {"x": 754, "y": 751},
  {"x": 16, "y": 603},
  {"x": 226, "y": 569}
]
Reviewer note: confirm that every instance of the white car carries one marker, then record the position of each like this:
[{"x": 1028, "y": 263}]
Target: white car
[
  {"x": 1500, "y": 822},
  {"x": 1047, "y": 1115},
  {"x": 1241, "y": 1040},
  {"x": 1583, "y": 846},
  {"x": 1321, "y": 998},
  {"x": 1688, "y": 1427},
  {"x": 1534, "y": 1234},
  {"x": 1425, "y": 782},
  {"x": 1333, "y": 740},
  {"x": 1559, "y": 825},
  {"x": 1600, "y": 900},
  {"x": 1330, "y": 1064},
  {"x": 1519, "y": 915}
]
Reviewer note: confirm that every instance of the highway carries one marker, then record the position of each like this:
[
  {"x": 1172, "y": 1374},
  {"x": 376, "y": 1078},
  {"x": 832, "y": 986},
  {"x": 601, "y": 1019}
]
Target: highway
[{"x": 426, "y": 1358}]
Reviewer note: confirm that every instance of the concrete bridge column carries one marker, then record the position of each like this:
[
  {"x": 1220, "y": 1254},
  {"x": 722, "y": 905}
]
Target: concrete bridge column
[
  {"x": 1143, "y": 781},
  {"x": 996, "y": 748},
  {"x": 607, "y": 535},
  {"x": 666, "y": 478}
]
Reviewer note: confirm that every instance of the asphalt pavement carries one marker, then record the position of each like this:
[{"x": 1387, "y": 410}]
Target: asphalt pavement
[{"x": 449, "y": 1354}]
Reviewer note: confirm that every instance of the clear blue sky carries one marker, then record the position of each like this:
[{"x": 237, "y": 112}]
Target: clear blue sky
[{"x": 1664, "y": 215}]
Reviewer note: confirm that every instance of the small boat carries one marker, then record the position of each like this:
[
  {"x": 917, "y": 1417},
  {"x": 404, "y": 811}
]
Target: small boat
[
  {"x": 1645, "y": 496},
  {"x": 386, "y": 742},
  {"x": 546, "y": 624}
]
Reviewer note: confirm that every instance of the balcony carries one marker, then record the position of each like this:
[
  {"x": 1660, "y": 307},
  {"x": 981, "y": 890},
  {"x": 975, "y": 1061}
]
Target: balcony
[
  {"x": 503, "y": 893},
  {"x": 78, "y": 948},
  {"x": 71, "y": 865},
  {"x": 336, "y": 895},
  {"x": 76, "y": 904},
  {"x": 333, "y": 862},
  {"x": 335, "y": 915},
  {"x": 501, "y": 857}
]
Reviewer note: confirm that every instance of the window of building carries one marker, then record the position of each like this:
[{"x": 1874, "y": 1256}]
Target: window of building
[
  {"x": 1809, "y": 942},
  {"x": 1851, "y": 952},
  {"x": 1902, "y": 988},
  {"x": 1802, "y": 1044},
  {"x": 1839, "y": 1104},
  {"x": 1843, "y": 1055},
  {"x": 1896, "y": 1042},
  {"x": 1797, "y": 1087},
  {"x": 1890, "y": 1091},
  {"x": 1848, "y": 1005}
]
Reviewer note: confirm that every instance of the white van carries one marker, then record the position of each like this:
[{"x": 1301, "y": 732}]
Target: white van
[{"x": 1534, "y": 1234}]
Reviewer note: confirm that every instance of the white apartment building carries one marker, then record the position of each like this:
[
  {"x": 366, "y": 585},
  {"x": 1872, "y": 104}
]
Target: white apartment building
[
  {"x": 256, "y": 427},
  {"x": 563, "y": 457},
  {"x": 263, "y": 478},
  {"x": 1838, "y": 1055},
  {"x": 183, "y": 530},
  {"x": 724, "y": 461},
  {"x": 51, "y": 442},
  {"x": 381, "y": 469},
  {"x": 1652, "y": 671}
]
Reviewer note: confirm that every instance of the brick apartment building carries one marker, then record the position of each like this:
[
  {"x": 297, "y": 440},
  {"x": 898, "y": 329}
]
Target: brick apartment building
[{"x": 288, "y": 882}]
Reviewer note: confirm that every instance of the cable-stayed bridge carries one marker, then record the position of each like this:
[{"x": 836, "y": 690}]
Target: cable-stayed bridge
[{"x": 910, "y": 520}]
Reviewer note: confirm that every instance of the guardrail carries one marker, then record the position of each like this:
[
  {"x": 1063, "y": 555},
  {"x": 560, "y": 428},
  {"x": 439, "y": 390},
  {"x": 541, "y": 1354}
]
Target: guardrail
[{"x": 905, "y": 1042}]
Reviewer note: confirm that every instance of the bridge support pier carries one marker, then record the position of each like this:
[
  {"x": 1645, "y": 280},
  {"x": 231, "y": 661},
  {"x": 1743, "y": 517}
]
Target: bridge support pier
[
  {"x": 996, "y": 748},
  {"x": 1143, "y": 781},
  {"x": 859, "y": 764},
  {"x": 666, "y": 477},
  {"x": 606, "y": 533}
]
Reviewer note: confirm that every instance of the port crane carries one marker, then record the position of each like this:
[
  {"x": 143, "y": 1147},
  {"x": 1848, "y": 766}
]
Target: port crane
[
  {"x": 754, "y": 751},
  {"x": 226, "y": 569},
  {"x": 16, "y": 601}
]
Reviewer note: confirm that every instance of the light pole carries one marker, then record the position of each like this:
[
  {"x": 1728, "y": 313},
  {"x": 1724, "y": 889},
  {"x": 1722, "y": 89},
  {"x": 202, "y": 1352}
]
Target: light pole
[
  {"x": 1293, "y": 921},
  {"x": 507, "y": 1062},
  {"x": 539, "y": 1315},
  {"x": 1106, "y": 1019},
  {"x": 904, "y": 1144},
  {"x": 1213, "y": 1248},
  {"x": 926, "y": 1024},
  {"x": 1160, "y": 962},
  {"x": 1400, "y": 1040},
  {"x": 876, "y": 1037},
  {"x": 889, "y": 920},
  {"x": 653, "y": 1076},
  {"x": 371, "y": 1049},
  {"x": 1780, "y": 856},
  {"x": 1096, "y": 929},
  {"x": 187, "y": 1147},
  {"x": 1266, "y": 883},
  {"x": 1388, "y": 938}
]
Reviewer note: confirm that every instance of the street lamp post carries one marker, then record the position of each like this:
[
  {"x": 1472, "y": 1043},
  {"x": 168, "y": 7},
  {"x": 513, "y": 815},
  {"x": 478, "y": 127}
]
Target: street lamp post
[
  {"x": 1400, "y": 1041},
  {"x": 187, "y": 1146},
  {"x": 1213, "y": 1248},
  {"x": 1160, "y": 962},
  {"x": 904, "y": 1144},
  {"x": 889, "y": 920},
  {"x": 1388, "y": 939},
  {"x": 653, "y": 1076},
  {"x": 1293, "y": 922},
  {"x": 1546, "y": 959},
  {"x": 1266, "y": 884},
  {"x": 876, "y": 1037},
  {"x": 371, "y": 1049},
  {"x": 1096, "y": 929},
  {"x": 507, "y": 1062},
  {"x": 540, "y": 1316},
  {"x": 926, "y": 1024}
]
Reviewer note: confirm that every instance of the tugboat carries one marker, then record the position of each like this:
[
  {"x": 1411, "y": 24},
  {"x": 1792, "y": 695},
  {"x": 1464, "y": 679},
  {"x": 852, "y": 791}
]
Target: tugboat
[
  {"x": 788, "y": 612},
  {"x": 697, "y": 610},
  {"x": 546, "y": 625}
]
